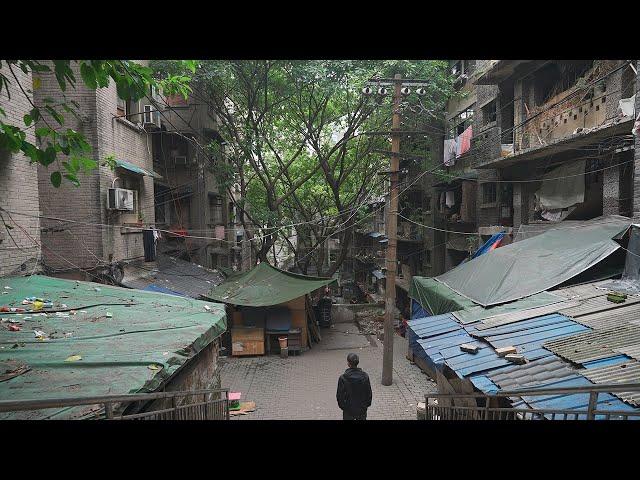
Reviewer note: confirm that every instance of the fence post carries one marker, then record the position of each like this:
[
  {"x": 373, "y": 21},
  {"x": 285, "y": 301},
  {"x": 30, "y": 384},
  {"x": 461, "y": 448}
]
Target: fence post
[
  {"x": 486, "y": 407},
  {"x": 593, "y": 402}
]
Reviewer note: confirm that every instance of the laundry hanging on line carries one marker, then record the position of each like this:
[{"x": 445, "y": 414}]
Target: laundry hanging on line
[
  {"x": 449, "y": 152},
  {"x": 463, "y": 141}
]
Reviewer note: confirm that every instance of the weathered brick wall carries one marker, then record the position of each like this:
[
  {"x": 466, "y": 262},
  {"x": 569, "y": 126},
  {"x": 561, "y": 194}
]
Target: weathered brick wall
[
  {"x": 70, "y": 245},
  {"x": 86, "y": 246},
  {"x": 18, "y": 190}
]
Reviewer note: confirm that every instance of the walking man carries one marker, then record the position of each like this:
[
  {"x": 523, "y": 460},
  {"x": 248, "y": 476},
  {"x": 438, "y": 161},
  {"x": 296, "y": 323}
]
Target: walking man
[{"x": 354, "y": 391}]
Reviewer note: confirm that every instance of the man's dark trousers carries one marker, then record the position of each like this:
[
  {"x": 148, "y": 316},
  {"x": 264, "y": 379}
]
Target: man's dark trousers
[{"x": 348, "y": 416}]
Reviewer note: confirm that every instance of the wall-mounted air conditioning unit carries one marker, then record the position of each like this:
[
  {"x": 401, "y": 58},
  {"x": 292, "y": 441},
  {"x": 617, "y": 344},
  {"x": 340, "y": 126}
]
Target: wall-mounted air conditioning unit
[
  {"x": 120, "y": 199},
  {"x": 151, "y": 115},
  {"x": 180, "y": 160}
]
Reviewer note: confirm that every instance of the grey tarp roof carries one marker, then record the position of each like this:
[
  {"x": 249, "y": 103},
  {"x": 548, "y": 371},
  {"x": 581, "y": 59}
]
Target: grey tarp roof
[{"x": 536, "y": 264}]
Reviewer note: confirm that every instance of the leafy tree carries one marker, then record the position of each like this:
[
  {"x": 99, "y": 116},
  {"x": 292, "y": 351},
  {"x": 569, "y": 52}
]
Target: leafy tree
[
  {"x": 298, "y": 145},
  {"x": 133, "y": 81}
]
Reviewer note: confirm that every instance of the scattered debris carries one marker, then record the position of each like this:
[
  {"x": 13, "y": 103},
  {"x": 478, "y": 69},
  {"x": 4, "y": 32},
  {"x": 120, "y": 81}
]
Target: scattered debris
[
  {"x": 12, "y": 368},
  {"x": 73, "y": 358},
  {"x": 14, "y": 328},
  {"x": 8, "y": 288},
  {"x": 616, "y": 297},
  {"x": 207, "y": 308},
  {"x": 515, "y": 358},
  {"x": 502, "y": 351},
  {"x": 154, "y": 366},
  {"x": 39, "y": 333},
  {"x": 109, "y": 315},
  {"x": 467, "y": 347}
]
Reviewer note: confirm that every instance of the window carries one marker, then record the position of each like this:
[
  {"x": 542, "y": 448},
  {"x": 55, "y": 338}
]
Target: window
[
  {"x": 215, "y": 209},
  {"x": 489, "y": 113},
  {"x": 462, "y": 121},
  {"x": 489, "y": 193}
]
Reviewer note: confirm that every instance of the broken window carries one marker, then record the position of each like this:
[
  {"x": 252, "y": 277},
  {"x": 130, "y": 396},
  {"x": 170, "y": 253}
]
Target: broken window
[{"x": 555, "y": 78}]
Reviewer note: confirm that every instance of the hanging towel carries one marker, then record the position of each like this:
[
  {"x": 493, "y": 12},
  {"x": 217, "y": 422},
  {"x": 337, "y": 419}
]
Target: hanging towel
[
  {"x": 464, "y": 142},
  {"x": 449, "y": 152},
  {"x": 450, "y": 199}
]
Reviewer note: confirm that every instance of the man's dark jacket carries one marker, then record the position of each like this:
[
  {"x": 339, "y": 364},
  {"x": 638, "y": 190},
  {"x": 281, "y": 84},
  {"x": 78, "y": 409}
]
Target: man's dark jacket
[{"x": 354, "y": 391}]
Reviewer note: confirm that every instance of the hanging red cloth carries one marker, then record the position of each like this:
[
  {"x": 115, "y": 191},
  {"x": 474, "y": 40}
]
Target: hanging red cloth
[{"x": 465, "y": 140}]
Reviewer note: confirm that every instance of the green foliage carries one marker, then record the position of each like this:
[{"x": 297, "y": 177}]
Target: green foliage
[
  {"x": 295, "y": 132},
  {"x": 133, "y": 81}
]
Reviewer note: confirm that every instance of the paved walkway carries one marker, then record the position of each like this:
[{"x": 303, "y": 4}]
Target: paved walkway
[{"x": 304, "y": 387}]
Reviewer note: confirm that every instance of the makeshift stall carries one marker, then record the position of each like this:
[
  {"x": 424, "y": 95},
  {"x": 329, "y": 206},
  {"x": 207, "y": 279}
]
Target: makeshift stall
[{"x": 269, "y": 306}]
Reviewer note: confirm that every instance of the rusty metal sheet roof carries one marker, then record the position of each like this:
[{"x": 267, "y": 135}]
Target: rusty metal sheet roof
[
  {"x": 596, "y": 344},
  {"x": 627, "y": 372}
]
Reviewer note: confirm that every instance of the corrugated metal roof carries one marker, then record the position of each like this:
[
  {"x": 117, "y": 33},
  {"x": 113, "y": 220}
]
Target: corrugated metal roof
[
  {"x": 632, "y": 351},
  {"x": 596, "y": 304},
  {"x": 538, "y": 372},
  {"x": 611, "y": 318},
  {"x": 595, "y": 344},
  {"x": 628, "y": 372},
  {"x": 441, "y": 337},
  {"x": 513, "y": 317},
  {"x": 581, "y": 292},
  {"x": 528, "y": 336}
]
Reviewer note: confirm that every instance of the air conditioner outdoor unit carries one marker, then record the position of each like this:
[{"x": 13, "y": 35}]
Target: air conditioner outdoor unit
[
  {"x": 151, "y": 115},
  {"x": 120, "y": 199},
  {"x": 180, "y": 160}
]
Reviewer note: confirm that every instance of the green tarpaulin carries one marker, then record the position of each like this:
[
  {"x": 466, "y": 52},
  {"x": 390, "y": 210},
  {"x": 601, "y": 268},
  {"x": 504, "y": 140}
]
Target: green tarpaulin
[
  {"x": 436, "y": 297},
  {"x": 536, "y": 264},
  {"x": 129, "y": 341},
  {"x": 265, "y": 285}
]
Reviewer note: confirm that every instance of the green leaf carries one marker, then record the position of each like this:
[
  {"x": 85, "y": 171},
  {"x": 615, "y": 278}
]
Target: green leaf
[
  {"x": 56, "y": 179},
  {"x": 27, "y": 119},
  {"x": 72, "y": 178},
  {"x": 43, "y": 132},
  {"x": 88, "y": 75}
]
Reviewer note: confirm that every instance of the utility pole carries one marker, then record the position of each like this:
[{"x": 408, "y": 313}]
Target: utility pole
[
  {"x": 400, "y": 89},
  {"x": 392, "y": 229}
]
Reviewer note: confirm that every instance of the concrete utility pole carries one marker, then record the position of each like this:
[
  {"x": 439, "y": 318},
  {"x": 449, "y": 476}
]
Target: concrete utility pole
[
  {"x": 400, "y": 89},
  {"x": 392, "y": 229}
]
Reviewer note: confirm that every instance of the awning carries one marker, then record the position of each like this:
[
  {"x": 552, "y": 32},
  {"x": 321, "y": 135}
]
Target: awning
[
  {"x": 537, "y": 264},
  {"x": 135, "y": 169},
  {"x": 265, "y": 285}
]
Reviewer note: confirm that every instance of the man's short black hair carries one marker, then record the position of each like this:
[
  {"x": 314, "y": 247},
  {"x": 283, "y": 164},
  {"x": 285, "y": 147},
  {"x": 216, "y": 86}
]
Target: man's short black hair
[{"x": 353, "y": 360}]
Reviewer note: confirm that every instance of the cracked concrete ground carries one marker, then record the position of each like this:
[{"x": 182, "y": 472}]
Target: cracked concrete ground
[{"x": 303, "y": 387}]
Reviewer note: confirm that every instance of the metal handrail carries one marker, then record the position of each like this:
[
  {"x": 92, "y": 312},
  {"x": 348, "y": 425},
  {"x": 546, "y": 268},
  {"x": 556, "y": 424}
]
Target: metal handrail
[
  {"x": 488, "y": 412},
  {"x": 616, "y": 387},
  {"x": 40, "y": 404}
]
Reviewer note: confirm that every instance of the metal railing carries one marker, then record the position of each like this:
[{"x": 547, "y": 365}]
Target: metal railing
[
  {"x": 516, "y": 405},
  {"x": 208, "y": 404}
]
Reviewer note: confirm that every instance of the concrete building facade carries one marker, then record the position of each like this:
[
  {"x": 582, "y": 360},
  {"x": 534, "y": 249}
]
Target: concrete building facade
[{"x": 532, "y": 122}]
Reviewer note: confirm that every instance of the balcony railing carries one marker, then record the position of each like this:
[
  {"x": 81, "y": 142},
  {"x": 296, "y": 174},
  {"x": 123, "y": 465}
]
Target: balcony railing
[
  {"x": 480, "y": 406},
  {"x": 208, "y": 404}
]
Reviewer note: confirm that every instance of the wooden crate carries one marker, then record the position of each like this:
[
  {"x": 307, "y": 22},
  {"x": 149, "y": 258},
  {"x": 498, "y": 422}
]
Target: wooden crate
[{"x": 247, "y": 341}]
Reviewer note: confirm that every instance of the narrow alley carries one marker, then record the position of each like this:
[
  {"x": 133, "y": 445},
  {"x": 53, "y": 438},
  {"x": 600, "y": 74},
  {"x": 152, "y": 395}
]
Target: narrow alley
[{"x": 304, "y": 387}]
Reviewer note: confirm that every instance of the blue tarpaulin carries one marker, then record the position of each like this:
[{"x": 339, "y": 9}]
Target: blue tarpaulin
[{"x": 489, "y": 244}]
